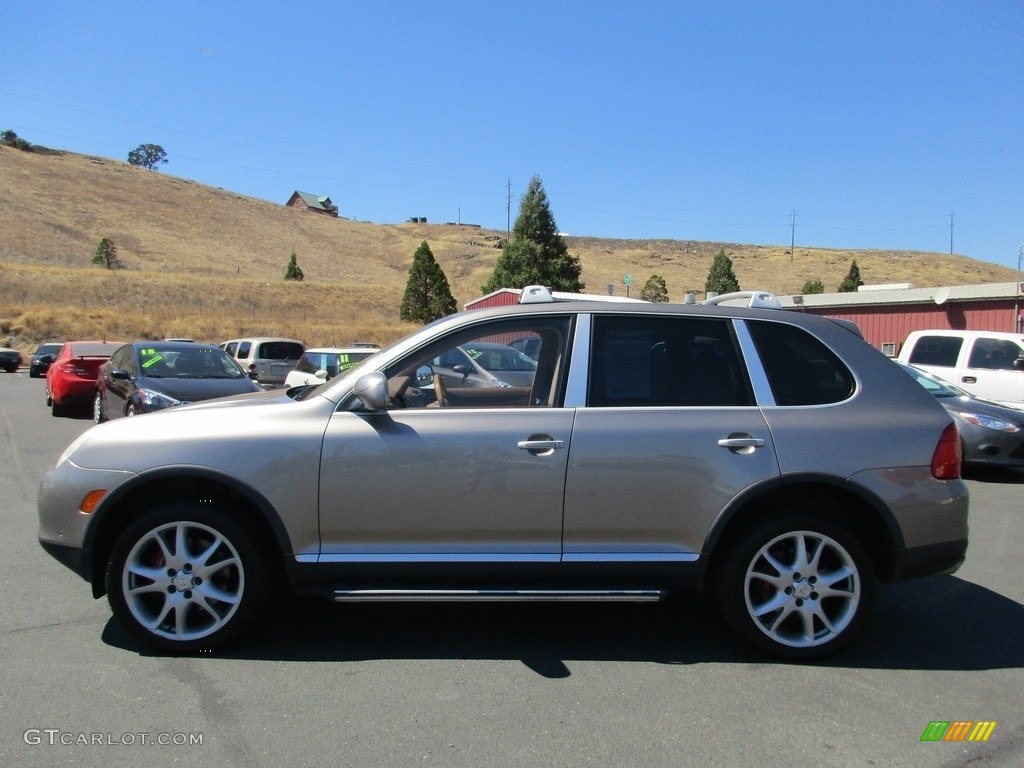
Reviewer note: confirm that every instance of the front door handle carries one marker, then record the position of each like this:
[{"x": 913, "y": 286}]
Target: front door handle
[
  {"x": 741, "y": 442},
  {"x": 969, "y": 380},
  {"x": 538, "y": 446}
]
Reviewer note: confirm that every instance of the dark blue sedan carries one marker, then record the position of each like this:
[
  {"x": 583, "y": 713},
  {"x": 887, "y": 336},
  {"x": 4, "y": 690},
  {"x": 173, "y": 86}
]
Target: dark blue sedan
[{"x": 147, "y": 376}]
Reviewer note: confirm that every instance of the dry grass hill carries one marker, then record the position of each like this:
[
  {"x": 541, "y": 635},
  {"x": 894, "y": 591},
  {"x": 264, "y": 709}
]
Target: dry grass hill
[{"x": 208, "y": 263}]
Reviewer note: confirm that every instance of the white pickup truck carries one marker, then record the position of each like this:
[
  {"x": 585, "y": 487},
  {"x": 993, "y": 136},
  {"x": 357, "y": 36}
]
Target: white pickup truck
[{"x": 988, "y": 364}]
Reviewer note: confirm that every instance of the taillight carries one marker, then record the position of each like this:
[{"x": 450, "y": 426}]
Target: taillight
[{"x": 948, "y": 456}]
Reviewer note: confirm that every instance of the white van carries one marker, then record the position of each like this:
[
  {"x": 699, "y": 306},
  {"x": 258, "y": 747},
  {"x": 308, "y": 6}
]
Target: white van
[{"x": 988, "y": 364}]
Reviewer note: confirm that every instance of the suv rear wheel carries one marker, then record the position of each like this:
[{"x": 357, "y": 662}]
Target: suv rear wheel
[{"x": 797, "y": 587}]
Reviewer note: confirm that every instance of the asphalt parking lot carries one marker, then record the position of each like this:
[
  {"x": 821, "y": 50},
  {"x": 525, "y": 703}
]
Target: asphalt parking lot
[{"x": 500, "y": 685}]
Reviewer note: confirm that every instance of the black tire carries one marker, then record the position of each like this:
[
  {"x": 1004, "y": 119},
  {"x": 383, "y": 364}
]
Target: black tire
[
  {"x": 796, "y": 606},
  {"x": 98, "y": 414},
  {"x": 56, "y": 408},
  {"x": 131, "y": 410},
  {"x": 196, "y": 599}
]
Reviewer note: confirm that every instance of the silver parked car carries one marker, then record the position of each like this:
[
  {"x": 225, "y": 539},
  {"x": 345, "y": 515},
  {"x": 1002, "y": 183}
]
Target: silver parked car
[{"x": 773, "y": 458}]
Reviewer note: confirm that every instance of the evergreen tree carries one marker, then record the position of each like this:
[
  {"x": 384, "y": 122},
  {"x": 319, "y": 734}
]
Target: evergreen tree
[
  {"x": 428, "y": 295},
  {"x": 721, "y": 278},
  {"x": 852, "y": 280},
  {"x": 813, "y": 286},
  {"x": 294, "y": 271},
  {"x": 536, "y": 254},
  {"x": 655, "y": 290},
  {"x": 106, "y": 255}
]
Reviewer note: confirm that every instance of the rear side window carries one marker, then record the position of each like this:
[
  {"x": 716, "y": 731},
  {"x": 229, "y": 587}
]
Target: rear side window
[
  {"x": 936, "y": 350},
  {"x": 800, "y": 368},
  {"x": 993, "y": 354},
  {"x": 280, "y": 350},
  {"x": 665, "y": 361}
]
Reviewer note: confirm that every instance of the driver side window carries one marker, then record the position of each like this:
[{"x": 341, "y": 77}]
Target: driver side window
[{"x": 461, "y": 370}]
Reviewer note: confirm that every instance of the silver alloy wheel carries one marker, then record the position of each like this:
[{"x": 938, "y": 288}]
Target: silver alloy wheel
[
  {"x": 183, "y": 581},
  {"x": 97, "y": 408},
  {"x": 802, "y": 589}
]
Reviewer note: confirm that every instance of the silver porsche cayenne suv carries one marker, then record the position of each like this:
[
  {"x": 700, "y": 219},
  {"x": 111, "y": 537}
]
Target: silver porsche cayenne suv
[{"x": 772, "y": 458}]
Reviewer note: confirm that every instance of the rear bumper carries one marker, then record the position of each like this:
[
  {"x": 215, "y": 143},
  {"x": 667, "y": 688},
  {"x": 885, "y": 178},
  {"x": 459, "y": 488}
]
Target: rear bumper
[{"x": 929, "y": 560}]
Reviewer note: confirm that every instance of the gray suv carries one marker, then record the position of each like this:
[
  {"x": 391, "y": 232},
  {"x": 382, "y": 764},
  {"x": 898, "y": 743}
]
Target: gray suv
[{"x": 773, "y": 458}]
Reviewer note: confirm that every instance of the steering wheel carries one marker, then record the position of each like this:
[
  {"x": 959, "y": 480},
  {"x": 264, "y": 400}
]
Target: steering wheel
[{"x": 440, "y": 392}]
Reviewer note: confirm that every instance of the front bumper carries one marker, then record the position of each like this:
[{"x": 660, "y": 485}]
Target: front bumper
[{"x": 63, "y": 527}]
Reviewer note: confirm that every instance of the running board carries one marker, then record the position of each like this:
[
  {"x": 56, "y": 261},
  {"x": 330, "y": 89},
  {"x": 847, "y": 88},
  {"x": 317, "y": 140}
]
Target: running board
[{"x": 496, "y": 595}]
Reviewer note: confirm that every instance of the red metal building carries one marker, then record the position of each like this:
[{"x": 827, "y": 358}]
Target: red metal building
[{"x": 886, "y": 315}]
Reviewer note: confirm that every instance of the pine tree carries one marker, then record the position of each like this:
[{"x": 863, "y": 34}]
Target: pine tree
[
  {"x": 536, "y": 254},
  {"x": 106, "y": 255},
  {"x": 813, "y": 286},
  {"x": 294, "y": 271},
  {"x": 655, "y": 290},
  {"x": 428, "y": 295},
  {"x": 852, "y": 281},
  {"x": 721, "y": 278}
]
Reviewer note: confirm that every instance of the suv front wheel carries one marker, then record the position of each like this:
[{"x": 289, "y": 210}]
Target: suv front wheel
[
  {"x": 797, "y": 587},
  {"x": 183, "y": 578}
]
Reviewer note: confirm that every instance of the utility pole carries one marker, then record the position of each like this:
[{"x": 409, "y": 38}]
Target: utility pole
[
  {"x": 508, "y": 210},
  {"x": 792, "y": 237},
  {"x": 950, "y": 233},
  {"x": 1016, "y": 292}
]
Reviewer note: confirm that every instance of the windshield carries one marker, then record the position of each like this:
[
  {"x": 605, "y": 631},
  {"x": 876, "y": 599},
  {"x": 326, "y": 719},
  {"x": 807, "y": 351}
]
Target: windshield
[
  {"x": 197, "y": 362},
  {"x": 933, "y": 384}
]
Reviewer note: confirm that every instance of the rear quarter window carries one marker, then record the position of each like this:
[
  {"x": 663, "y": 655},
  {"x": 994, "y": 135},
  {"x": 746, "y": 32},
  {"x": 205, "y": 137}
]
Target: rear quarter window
[{"x": 801, "y": 369}]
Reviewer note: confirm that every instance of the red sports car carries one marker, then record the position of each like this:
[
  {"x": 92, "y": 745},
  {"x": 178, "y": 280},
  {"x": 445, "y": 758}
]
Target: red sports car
[{"x": 71, "y": 379}]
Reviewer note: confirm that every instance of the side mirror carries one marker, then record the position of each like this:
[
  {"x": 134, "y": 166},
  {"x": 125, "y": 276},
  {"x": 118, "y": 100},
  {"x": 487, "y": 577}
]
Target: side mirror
[
  {"x": 372, "y": 390},
  {"x": 120, "y": 375},
  {"x": 321, "y": 374},
  {"x": 1018, "y": 364}
]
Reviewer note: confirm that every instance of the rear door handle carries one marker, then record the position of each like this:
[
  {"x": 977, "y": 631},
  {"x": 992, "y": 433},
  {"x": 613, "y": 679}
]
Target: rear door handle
[
  {"x": 741, "y": 444},
  {"x": 969, "y": 380}
]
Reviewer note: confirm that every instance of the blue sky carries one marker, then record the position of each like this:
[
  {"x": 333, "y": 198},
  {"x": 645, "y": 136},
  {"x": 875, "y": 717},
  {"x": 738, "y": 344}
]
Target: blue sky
[{"x": 873, "y": 121}]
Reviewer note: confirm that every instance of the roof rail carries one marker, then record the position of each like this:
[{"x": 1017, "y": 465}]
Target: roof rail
[{"x": 757, "y": 299}]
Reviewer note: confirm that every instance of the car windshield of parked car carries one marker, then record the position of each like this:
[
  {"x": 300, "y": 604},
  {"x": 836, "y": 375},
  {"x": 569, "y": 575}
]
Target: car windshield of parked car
[
  {"x": 332, "y": 362},
  {"x": 934, "y": 384},
  {"x": 200, "y": 362},
  {"x": 91, "y": 349}
]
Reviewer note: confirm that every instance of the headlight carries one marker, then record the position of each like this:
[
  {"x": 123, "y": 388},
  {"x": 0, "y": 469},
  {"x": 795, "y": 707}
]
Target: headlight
[
  {"x": 156, "y": 400},
  {"x": 990, "y": 422}
]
